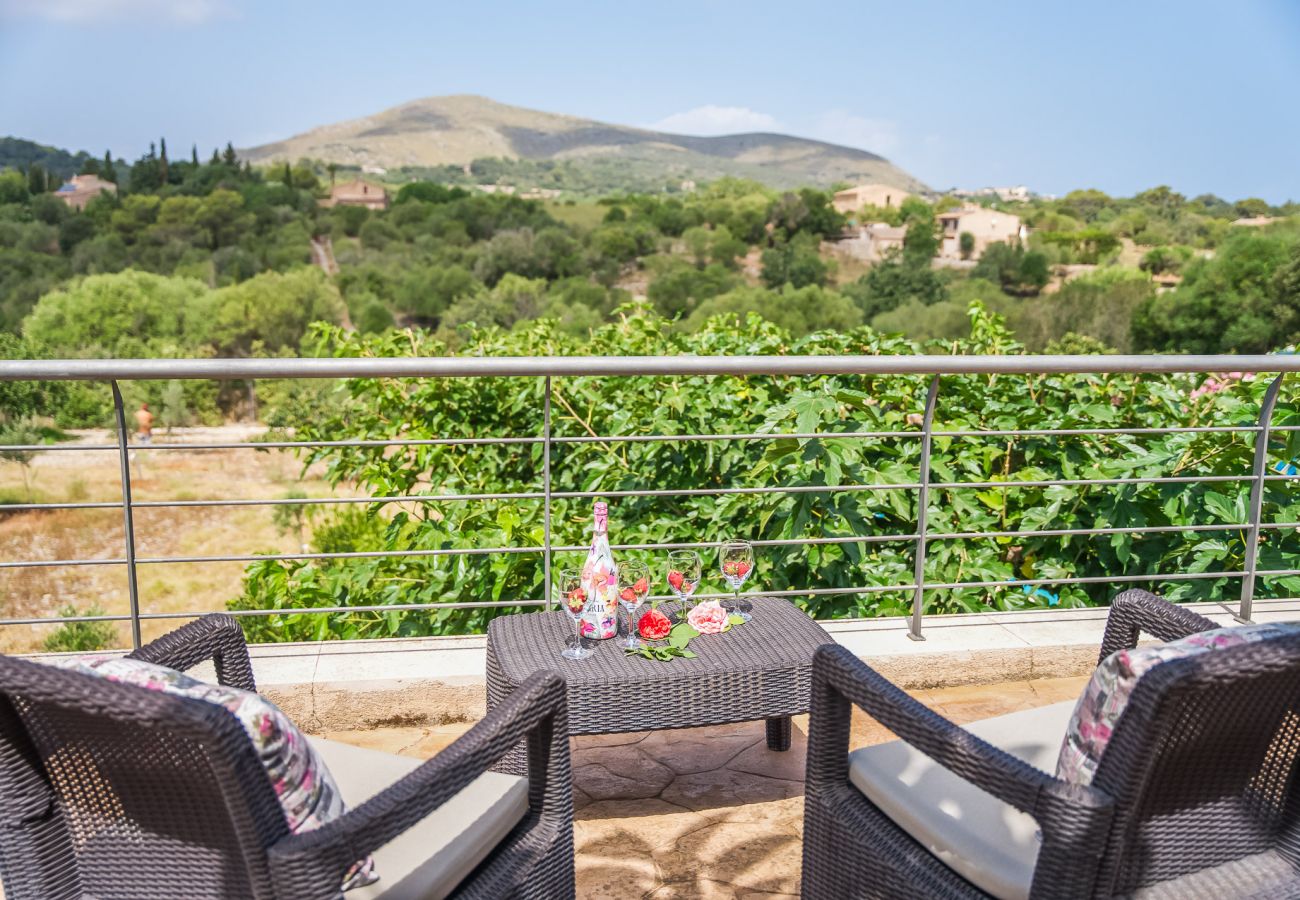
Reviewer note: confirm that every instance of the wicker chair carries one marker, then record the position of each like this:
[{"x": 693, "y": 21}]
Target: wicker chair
[
  {"x": 112, "y": 791},
  {"x": 1196, "y": 795}
]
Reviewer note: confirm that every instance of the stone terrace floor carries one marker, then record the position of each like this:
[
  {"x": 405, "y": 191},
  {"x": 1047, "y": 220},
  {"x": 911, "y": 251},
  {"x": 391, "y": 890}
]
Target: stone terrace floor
[{"x": 705, "y": 812}]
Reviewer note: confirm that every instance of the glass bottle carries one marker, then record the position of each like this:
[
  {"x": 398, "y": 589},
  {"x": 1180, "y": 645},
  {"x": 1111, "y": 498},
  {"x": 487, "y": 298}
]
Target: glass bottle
[{"x": 600, "y": 580}]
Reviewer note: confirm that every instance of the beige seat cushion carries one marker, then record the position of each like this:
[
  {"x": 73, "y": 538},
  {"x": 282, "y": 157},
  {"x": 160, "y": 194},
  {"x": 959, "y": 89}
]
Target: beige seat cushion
[
  {"x": 431, "y": 858},
  {"x": 992, "y": 845}
]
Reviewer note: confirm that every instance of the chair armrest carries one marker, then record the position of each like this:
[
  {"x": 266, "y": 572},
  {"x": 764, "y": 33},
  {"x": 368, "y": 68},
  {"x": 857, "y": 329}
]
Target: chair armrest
[
  {"x": 313, "y": 863},
  {"x": 214, "y": 637},
  {"x": 841, "y": 679},
  {"x": 1136, "y": 611}
]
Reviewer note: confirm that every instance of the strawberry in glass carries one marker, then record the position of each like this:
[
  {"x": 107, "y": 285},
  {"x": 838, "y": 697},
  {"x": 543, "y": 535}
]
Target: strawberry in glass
[
  {"x": 633, "y": 585},
  {"x": 573, "y": 597},
  {"x": 737, "y": 561},
  {"x": 683, "y": 577}
]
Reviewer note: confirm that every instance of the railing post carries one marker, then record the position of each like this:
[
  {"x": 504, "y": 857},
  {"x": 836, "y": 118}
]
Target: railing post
[
  {"x": 922, "y": 508},
  {"x": 128, "y": 521},
  {"x": 1258, "y": 471},
  {"x": 546, "y": 491}
]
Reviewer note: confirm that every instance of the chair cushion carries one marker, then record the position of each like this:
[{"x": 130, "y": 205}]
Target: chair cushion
[
  {"x": 432, "y": 857},
  {"x": 989, "y": 843},
  {"x": 1107, "y": 694},
  {"x": 301, "y": 780}
]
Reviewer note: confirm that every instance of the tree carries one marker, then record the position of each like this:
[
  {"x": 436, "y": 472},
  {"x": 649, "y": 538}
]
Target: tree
[
  {"x": 109, "y": 172},
  {"x": 230, "y": 157},
  {"x": 271, "y": 311},
  {"x": 894, "y": 282},
  {"x": 13, "y": 187},
  {"x": 162, "y": 162},
  {"x": 223, "y": 216},
  {"x": 37, "y": 181},
  {"x": 795, "y": 262},
  {"x": 966, "y": 244},
  {"x": 1252, "y": 207},
  {"x": 118, "y": 315},
  {"x": 194, "y": 155},
  {"x": 797, "y": 310},
  {"x": 1017, "y": 271},
  {"x": 921, "y": 241},
  {"x": 1241, "y": 301}
]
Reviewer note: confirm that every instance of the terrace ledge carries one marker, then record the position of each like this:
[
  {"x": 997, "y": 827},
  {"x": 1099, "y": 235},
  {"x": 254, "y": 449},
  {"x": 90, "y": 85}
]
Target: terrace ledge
[{"x": 342, "y": 685}]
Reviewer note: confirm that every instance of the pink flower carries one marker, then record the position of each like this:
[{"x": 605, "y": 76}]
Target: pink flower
[{"x": 708, "y": 617}]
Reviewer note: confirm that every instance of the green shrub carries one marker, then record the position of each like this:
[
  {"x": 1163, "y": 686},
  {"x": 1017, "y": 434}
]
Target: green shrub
[{"x": 81, "y": 637}]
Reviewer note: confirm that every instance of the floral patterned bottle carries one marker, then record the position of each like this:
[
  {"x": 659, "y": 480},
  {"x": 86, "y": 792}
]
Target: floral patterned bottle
[{"x": 600, "y": 580}]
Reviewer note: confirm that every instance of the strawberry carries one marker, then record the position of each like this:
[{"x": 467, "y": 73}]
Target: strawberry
[
  {"x": 627, "y": 595},
  {"x": 742, "y": 568},
  {"x": 641, "y": 587},
  {"x": 675, "y": 580}
]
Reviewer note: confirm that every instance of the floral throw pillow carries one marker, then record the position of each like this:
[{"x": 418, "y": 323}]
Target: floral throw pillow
[
  {"x": 304, "y": 786},
  {"x": 1103, "y": 700}
]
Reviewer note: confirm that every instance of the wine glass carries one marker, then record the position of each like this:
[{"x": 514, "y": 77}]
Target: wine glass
[
  {"x": 573, "y": 596},
  {"x": 683, "y": 577},
  {"x": 633, "y": 586},
  {"x": 737, "y": 560}
]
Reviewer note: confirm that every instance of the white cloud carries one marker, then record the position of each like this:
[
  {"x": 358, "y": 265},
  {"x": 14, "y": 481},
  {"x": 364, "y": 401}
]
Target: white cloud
[
  {"x": 714, "y": 120},
  {"x": 90, "y": 12},
  {"x": 839, "y": 126}
]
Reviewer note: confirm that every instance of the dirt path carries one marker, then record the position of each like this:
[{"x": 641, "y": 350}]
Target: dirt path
[{"x": 87, "y": 475}]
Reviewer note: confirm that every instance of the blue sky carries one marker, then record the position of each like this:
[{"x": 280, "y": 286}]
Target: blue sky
[{"x": 1118, "y": 96}]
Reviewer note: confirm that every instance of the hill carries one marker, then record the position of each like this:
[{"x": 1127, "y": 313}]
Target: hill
[
  {"x": 458, "y": 130},
  {"x": 19, "y": 154}
]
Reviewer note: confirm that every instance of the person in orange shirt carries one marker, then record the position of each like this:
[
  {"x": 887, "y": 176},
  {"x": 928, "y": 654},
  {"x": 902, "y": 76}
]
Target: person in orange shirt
[{"x": 144, "y": 424}]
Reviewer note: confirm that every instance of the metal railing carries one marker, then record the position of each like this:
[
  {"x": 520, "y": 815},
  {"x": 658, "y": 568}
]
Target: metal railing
[{"x": 548, "y": 368}]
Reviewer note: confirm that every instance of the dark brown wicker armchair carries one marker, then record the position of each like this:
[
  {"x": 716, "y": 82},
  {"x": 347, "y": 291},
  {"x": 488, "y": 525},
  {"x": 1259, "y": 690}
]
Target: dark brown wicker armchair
[
  {"x": 111, "y": 791},
  {"x": 1196, "y": 794}
]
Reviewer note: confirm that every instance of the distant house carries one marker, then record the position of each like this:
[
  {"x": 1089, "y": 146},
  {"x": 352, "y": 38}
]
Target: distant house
[
  {"x": 1256, "y": 221},
  {"x": 357, "y": 193},
  {"x": 82, "y": 189},
  {"x": 853, "y": 199},
  {"x": 987, "y": 226},
  {"x": 872, "y": 241}
]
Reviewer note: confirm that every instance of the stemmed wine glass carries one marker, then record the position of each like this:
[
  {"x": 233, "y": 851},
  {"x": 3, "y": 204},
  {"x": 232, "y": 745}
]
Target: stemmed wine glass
[
  {"x": 737, "y": 560},
  {"x": 573, "y": 595},
  {"x": 633, "y": 586},
  {"x": 683, "y": 577}
]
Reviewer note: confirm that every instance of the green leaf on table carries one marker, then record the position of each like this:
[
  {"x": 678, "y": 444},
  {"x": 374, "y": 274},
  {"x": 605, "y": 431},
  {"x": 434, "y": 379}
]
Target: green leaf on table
[{"x": 734, "y": 619}]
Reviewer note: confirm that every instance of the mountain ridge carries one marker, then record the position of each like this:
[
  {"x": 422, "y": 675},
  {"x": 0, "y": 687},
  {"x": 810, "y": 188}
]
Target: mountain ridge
[{"x": 457, "y": 130}]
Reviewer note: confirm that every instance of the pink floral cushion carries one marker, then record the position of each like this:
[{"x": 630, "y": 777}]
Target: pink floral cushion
[
  {"x": 1103, "y": 700},
  {"x": 303, "y": 784}
]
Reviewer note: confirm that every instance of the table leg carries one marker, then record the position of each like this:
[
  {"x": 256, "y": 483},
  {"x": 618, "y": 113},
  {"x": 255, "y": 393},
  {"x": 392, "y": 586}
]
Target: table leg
[{"x": 778, "y": 733}]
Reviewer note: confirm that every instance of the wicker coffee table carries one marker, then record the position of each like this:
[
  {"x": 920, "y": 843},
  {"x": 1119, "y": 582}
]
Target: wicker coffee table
[{"x": 759, "y": 670}]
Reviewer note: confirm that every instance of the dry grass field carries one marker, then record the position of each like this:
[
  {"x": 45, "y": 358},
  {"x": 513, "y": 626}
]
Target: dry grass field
[{"x": 92, "y": 475}]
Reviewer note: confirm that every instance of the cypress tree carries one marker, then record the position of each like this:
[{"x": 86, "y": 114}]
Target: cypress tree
[
  {"x": 194, "y": 155},
  {"x": 162, "y": 169},
  {"x": 216, "y": 158},
  {"x": 230, "y": 158},
  {"x": 288, "y": 174},
  {"x": 109, "y": 171}
]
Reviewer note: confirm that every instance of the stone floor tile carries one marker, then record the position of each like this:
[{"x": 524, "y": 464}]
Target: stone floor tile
[
  {"x": 739, "y": 854},
  {"x": 786, "y": 764},
  {"x": 385, "y": 740},
  {"x": 619, "y": 773},
  {"x": 689, "y": 750},
  {"x": 651, "y": 823},
  {"x": 614, "y": 868},
  {"x": 700, "y": 889},
  {"x": 722, "y": 793},
  {"x": 1056, "y": 690}
]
